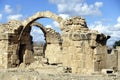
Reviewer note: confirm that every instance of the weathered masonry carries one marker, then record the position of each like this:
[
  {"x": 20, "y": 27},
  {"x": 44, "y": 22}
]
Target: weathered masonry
[{"x": 79, "y": 49}]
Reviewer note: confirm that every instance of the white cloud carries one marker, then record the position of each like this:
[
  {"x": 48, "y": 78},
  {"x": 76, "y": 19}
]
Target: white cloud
[
  {"x": 117, "y": 26},
  {"x": 64, "y": 16},
  {"x": 11, "y": 13},
  {"x": 98, "y": 4},
  {"x": 77, "y": 7},
  {"x": 48, "y": 26},
  {"x": 112, "y": 30},
  {"x": 8, "y": 9},
  {"x": 118, "y": 19},
  {"x": 0, "y": 16},
  {"x": 36, "y": 30},
  {"x": 98, "y": 25},
  {"x": 53, "y": 25},
  {"x": 16, "y": 17},
  {"x": 37, "y": 34}
]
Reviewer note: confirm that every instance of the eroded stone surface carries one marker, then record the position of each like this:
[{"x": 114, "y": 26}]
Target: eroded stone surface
[{"x": 76, "y": 50}]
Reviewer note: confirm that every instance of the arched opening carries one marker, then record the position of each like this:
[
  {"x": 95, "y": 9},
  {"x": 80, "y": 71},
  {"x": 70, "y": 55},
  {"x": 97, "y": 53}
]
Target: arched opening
[
  {"x": 26, "y": 43},
  {"x": 38, "y": 33},
  {"x": 39, "y": 41},
  {"x": 28, "y": 40},
  {"x": 40, "y": 15}
]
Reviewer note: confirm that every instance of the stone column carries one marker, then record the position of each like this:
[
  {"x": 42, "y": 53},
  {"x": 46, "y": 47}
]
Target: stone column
[
  {"x": 118, "y": 48},
  {"x": 4, "y": 50},
  {"x": 53, "y": 48}
]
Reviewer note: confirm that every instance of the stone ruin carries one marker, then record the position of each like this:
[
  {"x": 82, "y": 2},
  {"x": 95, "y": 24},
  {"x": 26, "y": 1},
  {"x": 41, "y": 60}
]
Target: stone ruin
[{"x": 77, "y": 50}]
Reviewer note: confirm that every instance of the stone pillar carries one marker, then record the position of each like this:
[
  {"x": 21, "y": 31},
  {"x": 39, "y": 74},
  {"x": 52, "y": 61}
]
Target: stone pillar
[
  {"x": 28, "y": 57},
  {"x": 4, "y": 50},
  {"x": 118, "y": 48},
  {"x": 53, "y": 47},
  {"x": 5, "y": 60}
]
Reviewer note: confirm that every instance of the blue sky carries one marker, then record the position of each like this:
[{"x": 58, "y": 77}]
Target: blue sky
[{"x": 101, "y": 15}]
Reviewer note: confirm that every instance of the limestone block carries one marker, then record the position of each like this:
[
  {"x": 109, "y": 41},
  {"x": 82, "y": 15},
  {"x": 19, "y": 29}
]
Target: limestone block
[
  {"x": 28, "y": 57},
  {"x": 112, "y": 60},
  {"x": 77, "y": 56},
  {"x": 66, "y": 59},
  {"x": 74, "y": 70},
  {"x": 5, "y": 60},
  {"x": 78, "y": 70},
  {"x": 118, "y": 48},
  {"x": 71, "y": 50},
  {"x": 4, "y": 36},
  {"x": 51, "y": 51},
  {"x": 76, "y": 36},
  {"x": 93, "y": 43},
  {"x": 76, "y": 44},
  {"x": 100, "y": 50},
  {"x": 76, "y": 63},
  {"x": 65, "y": 50},
  {"x": 14, "y": 59},
  {"x": 66, "y": 43}
]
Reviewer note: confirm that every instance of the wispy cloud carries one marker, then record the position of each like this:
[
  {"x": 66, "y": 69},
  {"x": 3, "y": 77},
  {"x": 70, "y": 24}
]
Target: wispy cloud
[
  {"x": 64, "y": 16},
  {"x": 112, "y": 30},
  {"x": 8, "y": 13},
  {"x": 37, "y": 34},
  {"x": 8, "y": 9},
  {"x": 48, "y": 26},
  {"x": 78, "y": 7},
  {"x": 15, "y": 16},
  {"x": 0, "y": 16}
]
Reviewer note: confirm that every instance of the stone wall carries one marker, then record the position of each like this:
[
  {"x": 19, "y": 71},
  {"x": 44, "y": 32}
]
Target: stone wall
[
  {"x": 78, "y": 49},
  {"x": 36, "y": 75},
  {"x": 118, "y": 48},
  {"x": 112, "y": 60},
  {"x": 6, "y": 46},
  {"x": 53, "y": 46},
  {"x": 83, "y": 50}
]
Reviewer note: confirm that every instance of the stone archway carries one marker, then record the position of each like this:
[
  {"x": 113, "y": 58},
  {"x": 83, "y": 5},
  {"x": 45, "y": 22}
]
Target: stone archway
[
  {"x": 37, "y": 16},
  {"x": 26, "y": 44},
  {"x": 56, "y": 38},
  {"x": 40, "y": 26},
  {"x": 44, "y": 33},
  {"x": 53, "y": 40},
  {"x": 47, "y": 33}
]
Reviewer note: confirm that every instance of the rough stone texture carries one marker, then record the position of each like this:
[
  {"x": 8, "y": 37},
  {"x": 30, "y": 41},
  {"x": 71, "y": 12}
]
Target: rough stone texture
[
  {"x": 112, "y": 60},
  {"x": 86, "y": 49},
  {"x": 118, "y": 48},
  {"x": 20, "y": 74},
  {"x": 53, "y": 46},
  {"x": 38, "y": 50},
  {"x": 76, "y": 50}
]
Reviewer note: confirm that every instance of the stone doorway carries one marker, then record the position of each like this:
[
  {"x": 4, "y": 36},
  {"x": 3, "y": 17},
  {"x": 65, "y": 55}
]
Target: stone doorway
[
  {"x": 21, "y": 52},
  {"x": 38, "y": 33},
  {"x": 53, "y": 39},
  {"x": 39, "y": 41}
]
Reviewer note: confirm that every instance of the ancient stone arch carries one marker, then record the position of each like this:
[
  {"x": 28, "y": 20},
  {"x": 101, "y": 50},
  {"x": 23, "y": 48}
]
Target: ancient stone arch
[
  {"x": 52, "y": 39},
  {"x": 39, "y": 15},
  {"x": 40, "y": 26},
  {"x": 44, "y": 33},
  {"x": 51, "y": 33},
  {"x": 47, "y": 14},
  {"x": 80, "y": 50}
]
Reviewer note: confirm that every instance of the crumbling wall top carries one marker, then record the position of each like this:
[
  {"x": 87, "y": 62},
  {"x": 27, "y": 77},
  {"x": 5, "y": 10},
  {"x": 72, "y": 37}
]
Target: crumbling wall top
[
  {"x": 10, "y": 27},
  {"x": 75, "y": 21}
]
